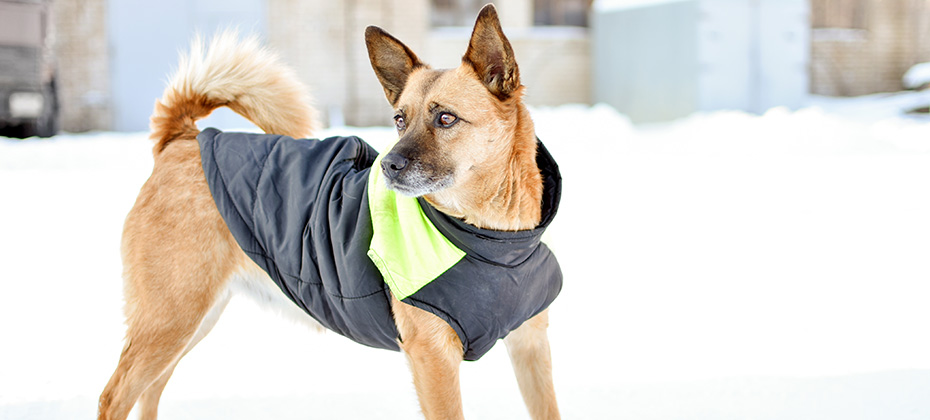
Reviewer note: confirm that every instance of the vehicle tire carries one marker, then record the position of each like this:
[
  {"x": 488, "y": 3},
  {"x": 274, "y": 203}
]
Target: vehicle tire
[
  {"x": 47, "y": 123},
  {"x": 18, "y": 131}
]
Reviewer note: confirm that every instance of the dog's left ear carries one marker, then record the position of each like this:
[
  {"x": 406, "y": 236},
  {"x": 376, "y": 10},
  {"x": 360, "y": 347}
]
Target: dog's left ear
[
  {"x": 490, "y": 54},
  {"x": 392, "y": 61}
]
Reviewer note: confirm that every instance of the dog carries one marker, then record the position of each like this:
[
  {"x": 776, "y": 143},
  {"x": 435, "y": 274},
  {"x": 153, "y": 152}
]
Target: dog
[{"x": 214, "y": 220}]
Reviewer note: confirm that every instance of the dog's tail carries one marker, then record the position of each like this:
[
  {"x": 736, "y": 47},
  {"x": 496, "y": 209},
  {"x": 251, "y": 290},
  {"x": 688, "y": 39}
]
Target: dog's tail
[{"x": 239, "y": 74}]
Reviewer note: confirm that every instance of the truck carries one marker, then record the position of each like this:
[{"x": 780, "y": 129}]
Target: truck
[{"x": 28, "y": 97}]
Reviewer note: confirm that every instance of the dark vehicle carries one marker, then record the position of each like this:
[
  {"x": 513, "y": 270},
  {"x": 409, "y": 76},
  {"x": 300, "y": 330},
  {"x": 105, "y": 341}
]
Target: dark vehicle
[{"x": 28, "y": 103}]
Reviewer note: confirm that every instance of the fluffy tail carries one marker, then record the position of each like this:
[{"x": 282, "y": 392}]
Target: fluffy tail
[{"x": 241, "y": 75}]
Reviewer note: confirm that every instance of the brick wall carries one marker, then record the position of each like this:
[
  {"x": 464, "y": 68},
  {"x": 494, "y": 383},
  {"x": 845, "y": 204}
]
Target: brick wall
[
  {"x": 555, "y": 63},
  {"x": 894, "y": 35},
  {"x": 80, "y": 40},
  {"x": 325, "y": 41}
]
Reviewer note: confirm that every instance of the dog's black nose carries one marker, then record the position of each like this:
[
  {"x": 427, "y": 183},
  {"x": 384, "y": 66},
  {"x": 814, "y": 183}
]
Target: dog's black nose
[{"x": 393, "y": 164}]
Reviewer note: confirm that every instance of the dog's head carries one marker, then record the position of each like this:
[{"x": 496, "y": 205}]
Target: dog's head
[{"x": 454, "y": 124}]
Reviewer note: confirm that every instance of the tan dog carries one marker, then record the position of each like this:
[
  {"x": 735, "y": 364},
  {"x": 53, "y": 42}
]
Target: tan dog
[{"x": 182, "y": 264}]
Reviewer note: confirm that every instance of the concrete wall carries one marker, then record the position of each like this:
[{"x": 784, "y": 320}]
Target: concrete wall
[
  {"x": 652, "y": 80},
  {"x": 754, "y": 55},
  {"x": 145, "y": 38},
  {"x": 783, "y": 75}
]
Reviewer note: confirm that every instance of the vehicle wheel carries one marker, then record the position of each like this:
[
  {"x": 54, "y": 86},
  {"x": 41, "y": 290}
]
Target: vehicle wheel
[
  {"x": 47, "y": 123},
  {"x": 19, "y": 131}
]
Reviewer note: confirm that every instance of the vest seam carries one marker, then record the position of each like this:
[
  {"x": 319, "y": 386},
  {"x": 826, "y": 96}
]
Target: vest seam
[
  {"x": 463, "y": 336},
  {"x": 228, "y": 195}
]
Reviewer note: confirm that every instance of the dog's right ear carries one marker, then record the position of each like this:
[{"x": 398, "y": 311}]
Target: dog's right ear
[{"x": 392, "y": 61}]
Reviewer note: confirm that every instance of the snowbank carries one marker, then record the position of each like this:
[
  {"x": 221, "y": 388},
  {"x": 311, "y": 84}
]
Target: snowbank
[
  {"x": 601, "y": 6},
  {"x": 917, "y": 76}
]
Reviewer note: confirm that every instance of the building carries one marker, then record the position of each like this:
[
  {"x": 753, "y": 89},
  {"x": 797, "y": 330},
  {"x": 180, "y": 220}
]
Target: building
[
  {"x": 334, "y": 61},
  {"x": 115, "y": 55},
  {"x": 652, "y": 59},
  {"x": 82, "y": 53},
  {"x": 860, "y": 47},
  {"x": 657, "y": 60}
]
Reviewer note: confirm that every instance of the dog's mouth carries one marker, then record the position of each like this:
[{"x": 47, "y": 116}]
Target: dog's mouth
[{"x": 416, "y": 183}]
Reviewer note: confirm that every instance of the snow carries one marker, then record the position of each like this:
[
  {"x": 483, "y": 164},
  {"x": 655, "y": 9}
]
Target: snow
[
  {"x": 722, "y": 266},
  {"x": 602, "y": 6},
  {"x": 917, "y": 76}
]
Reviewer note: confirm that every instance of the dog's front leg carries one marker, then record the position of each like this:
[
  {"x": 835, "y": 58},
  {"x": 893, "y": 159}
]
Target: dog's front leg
[
  {"x": 435, "y": 353},
  {"x": 528, "y": 346}
]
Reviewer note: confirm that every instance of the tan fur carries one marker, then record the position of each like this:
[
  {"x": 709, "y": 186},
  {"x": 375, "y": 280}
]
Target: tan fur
[
  {"x": 498, "y": 184},
  {"x": 528, "y": 347},
  {"x": 486, "y": 163},
  {"x": 240, "y": 75},
  {"x": 434, "y": 352},
  {"x": 181, "y": 264}
]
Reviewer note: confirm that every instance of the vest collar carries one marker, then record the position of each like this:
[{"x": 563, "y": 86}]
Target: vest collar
[{"x": 505, "y": 248}]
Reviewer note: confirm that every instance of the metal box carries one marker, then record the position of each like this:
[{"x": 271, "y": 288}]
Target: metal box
[{"x": 664, "y": 59}]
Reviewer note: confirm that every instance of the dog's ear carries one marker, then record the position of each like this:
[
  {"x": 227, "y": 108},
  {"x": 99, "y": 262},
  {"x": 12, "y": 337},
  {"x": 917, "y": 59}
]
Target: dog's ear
[
  {"x": 490, "y": 54},
  {"x": 392, "y": 61}
]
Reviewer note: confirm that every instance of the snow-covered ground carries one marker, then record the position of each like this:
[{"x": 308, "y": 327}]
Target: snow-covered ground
[{"x": 724, "y": 266}]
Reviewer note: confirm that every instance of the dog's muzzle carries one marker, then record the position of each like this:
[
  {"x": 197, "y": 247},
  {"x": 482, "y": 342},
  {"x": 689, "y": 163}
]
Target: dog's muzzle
[{"x": 393, "y": 165}]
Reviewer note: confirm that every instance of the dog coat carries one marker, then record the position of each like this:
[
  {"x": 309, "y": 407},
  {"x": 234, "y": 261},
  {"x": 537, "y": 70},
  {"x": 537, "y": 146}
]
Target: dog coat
[{"x": 303, "y": 211}]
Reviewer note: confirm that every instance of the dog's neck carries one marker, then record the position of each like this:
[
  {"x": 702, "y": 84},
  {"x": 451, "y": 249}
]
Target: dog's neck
[{"x": 507, "y": 197}]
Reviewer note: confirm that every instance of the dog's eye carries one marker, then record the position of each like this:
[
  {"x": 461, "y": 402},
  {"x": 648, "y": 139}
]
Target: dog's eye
[
  {"x": 446, "y": 119},
  {"x": 400, "y": 123}
]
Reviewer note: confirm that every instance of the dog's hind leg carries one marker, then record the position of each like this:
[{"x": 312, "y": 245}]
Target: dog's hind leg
[
  {"x": 528, "y": 346},
  {"x": 435, "y": 353},
  {"x": 179, "y": 260},
  {"x": 148, "y": 359},
  {"x": 148, "y": 401},
  {"x": 161, "y": 331},
  {"x": 157, "y": 338}
]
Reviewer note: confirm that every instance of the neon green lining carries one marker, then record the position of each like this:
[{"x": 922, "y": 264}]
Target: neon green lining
[{"x": 405, "y": 246}]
